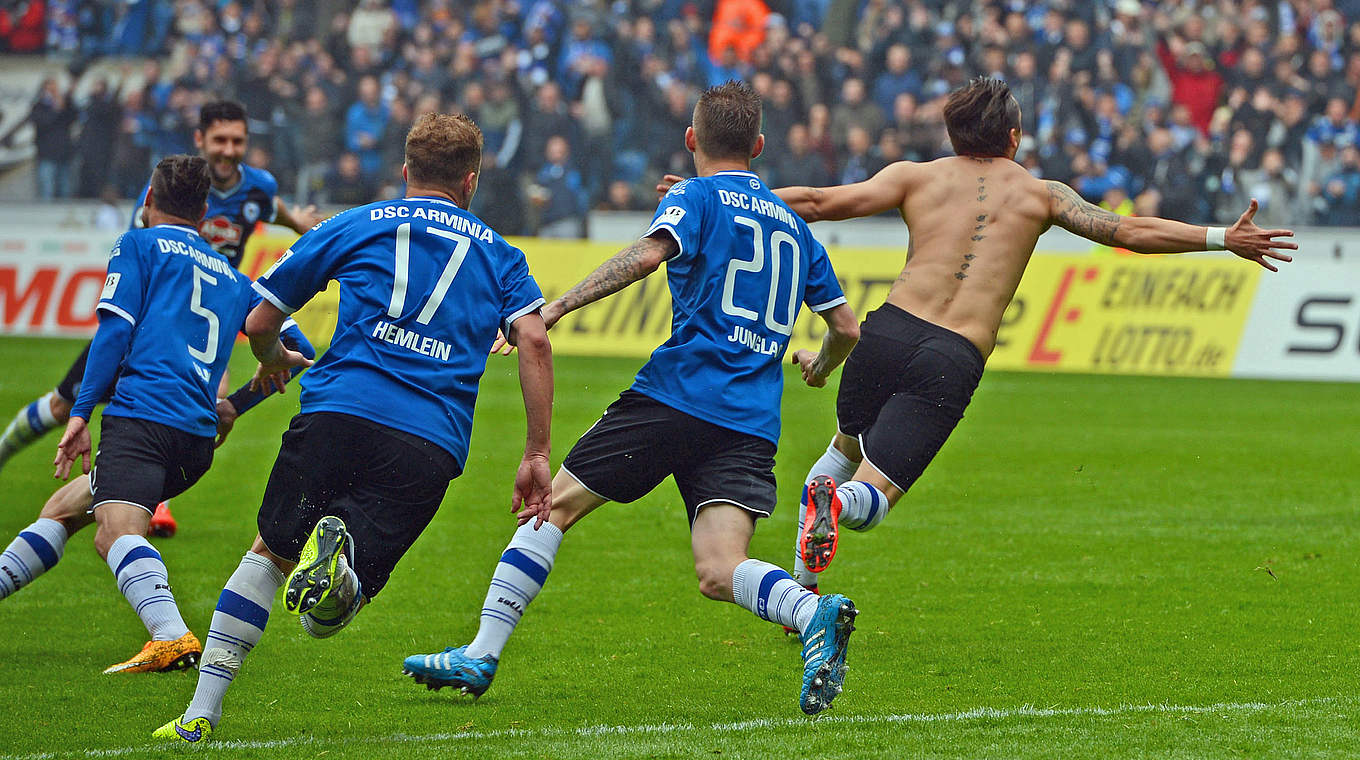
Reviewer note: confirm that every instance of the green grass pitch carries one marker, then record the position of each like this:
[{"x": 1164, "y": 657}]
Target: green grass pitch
[{"x": 1127, "y": 567}]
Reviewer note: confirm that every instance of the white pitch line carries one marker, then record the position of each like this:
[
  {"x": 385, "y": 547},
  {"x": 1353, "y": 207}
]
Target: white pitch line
[{"x": 976, "y": 713}]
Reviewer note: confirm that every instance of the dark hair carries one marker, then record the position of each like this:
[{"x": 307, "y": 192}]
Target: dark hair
[
  {"x": 441, "y": 149},
  {"x": 179, "y": 186},
  {"x": 220, "y": 110},
  {"x": 980, "y": 116},
  {"x": 727, "y": 121}
]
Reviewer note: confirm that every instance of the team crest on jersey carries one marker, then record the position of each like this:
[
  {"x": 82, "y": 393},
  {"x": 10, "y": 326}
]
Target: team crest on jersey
[
  {"x": 219, "y": 231},
  {"x": 251, "y": 211},
  {"x": 678, "y": 188},
  {"x": 755, "y": 184}
]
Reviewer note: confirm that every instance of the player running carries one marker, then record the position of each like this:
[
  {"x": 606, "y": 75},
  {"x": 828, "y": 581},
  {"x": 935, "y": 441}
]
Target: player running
[
  {"x": 168, "y": 315},
  {"x": 387, "y": 411},
  {"x": 705, "y": 407},
  {"x": 974, "y": 220},
  {"x": 240, "y": 196}
]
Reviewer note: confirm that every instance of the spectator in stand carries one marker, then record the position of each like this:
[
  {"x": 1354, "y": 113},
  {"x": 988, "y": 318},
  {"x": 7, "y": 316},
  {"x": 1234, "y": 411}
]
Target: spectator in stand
[
  {"x": 558, "y": 193},
  {"x": 854, "y": 110},
  {"x": 52, "y": 117},
  {"x": 1340, "y": 198},
  {"x": 738, "y": 26},
  {"x": 347, "y": 185},
  {"x": 392, "y": 144},
  {"x": 896, "y": 79},
  {"x": 364, "y": 124},
  {"x": 547, "y": 116},
  {"x": 22, "y": 26},
  {"x": 1194, "y": 82},
  {"x": 370, "y": 25},
  {"x": 796, "y": 164},
  {"x": 1274, "y": 187},
  {"x": 99, "y": 120},
  {"x": 858, "y": 164},
  {"x": 323, "y": 141}
]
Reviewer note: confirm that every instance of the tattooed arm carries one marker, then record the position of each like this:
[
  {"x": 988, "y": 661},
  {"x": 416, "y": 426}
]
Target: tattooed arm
[
  {"x": 621, "y": 270},
  {"x": 1150, "y": 234}
]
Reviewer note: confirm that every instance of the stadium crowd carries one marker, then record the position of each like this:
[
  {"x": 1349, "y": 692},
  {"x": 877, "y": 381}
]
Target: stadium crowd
[{"x": 1184, "y": 109}]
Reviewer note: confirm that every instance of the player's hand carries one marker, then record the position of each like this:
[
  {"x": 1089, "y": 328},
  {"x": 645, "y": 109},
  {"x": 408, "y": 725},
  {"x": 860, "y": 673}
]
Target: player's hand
[
  {"x": 502, "y": 345},
  {"x": 666, "y": 182},
  {"x": 226, "y": 420},
  {"x": 806, "y": 361},
  {"x": 306, "y": 218},
  {"x": 533, "y": 490},
  {"x": 552, "y": 312},
  {"x": 273, "y": 375},
  {"x": 75, "y": 444},
  {"x": 1255, "y": 244}
]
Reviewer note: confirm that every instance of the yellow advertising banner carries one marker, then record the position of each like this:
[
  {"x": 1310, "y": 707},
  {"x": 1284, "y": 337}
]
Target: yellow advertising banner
[{"x": 1160, "y": 315}]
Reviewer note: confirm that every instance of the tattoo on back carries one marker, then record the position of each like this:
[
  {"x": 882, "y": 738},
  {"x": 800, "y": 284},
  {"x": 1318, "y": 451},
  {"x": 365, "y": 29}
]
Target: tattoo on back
[
  {"x": 1073, "y": 213},
  {"x": 978, "y": 228}
]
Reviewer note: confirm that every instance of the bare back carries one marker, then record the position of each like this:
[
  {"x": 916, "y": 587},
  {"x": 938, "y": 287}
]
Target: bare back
[{"x": 974, "y": 223}]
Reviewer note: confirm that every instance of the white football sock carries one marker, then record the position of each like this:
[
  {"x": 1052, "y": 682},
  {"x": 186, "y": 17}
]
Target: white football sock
[
  {"x": 144, "y": 580},
  {"x": 36, "y": 550},
  {"x": 862, "y": 506},
  {"x": 772, "y": 594},
  {"x": 27, "y": 426},
  {"x": 237, "y": 625},
  {"x": 519, "y": 576},
  {"x": 840, "y": 468}
]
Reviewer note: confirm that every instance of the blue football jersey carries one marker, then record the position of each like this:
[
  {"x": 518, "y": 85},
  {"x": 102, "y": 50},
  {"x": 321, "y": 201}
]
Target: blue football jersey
[
  {"x": 186, "y": 304},
  {"x": 232, "y": 213},
  {"x": 746, "y": 266},
  {"x": 424, "y": 286}
]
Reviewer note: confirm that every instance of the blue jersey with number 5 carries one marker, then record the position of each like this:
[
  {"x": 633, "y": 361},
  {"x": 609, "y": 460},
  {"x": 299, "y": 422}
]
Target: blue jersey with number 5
[
  {"x": 746, "y": 265},
  {"x": 424, "y": 286},
  {"x": 186, "y": 304}
]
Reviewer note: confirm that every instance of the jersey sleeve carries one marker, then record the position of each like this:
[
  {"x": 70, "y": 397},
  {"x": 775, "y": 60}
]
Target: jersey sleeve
[
  {"x": 823, "y": 289},
  {"x": 271, "y": 188},
  {"x": 681, "y": 214},
  {"x": 304, "y": 269},
  {"x": 520, "y": 294},
  {"x": 125, "y": 283}
]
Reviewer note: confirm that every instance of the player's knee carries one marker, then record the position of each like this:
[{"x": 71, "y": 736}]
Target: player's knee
[
  {"x": 715, "y": 579},
  {"x": 849, "y": 446}
]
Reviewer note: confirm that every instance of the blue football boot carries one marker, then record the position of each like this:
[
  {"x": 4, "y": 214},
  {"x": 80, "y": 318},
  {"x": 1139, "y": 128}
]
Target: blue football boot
[
  {"x": 824, "y": 645},
  {"x": 452, "y": 667}
]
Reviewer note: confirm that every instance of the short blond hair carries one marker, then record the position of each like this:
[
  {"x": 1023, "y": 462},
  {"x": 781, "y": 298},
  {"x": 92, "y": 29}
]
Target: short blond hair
[{"x": 442, "y": 149}]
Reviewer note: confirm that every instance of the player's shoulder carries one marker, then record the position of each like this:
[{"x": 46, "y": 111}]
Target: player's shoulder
[{"x": 261, "y": 178}]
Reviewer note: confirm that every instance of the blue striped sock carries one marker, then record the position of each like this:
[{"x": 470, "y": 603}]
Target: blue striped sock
[
  {"x": 772, "y": 594},
  {"x": 36, "y": 550},
  {"x": 862, "y": 506},
  {"x": 237, "y": 625},
  {"x": 143, "y": 579},
  {"x": 519, "y": 576}
]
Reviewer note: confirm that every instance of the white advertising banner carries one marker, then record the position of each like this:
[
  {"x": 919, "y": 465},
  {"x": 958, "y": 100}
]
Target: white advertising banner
[{"x": 1304, "y": 324}]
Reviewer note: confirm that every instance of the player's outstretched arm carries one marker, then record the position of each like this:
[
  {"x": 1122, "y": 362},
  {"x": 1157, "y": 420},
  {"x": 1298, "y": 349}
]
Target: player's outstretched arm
[
  {"x": 298, "y": 218},
  {"x": 1150, "y": 234},
  {"x": 842, "y": 333},
  {"x": 276, "y": 361},
  {"x": 533, "y": 492},
  {"x": 621, "y": 270},
  {"x": 884, "y": 191}
]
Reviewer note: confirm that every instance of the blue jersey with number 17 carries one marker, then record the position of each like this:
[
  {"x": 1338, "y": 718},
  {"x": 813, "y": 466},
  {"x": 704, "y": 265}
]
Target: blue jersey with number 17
[
  {"x": 746, "y": 265},
  {"x": 424, "y": 286},
  {"x": 186, "y": 304}
]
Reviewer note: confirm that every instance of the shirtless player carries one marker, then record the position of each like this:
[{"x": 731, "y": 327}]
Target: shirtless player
[{"x": 974, "y": 220}]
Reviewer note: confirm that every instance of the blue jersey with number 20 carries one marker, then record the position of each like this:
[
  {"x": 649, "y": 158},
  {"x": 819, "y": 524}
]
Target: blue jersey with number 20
[
  {"x": 424, "y": 286},
  {"x": 186, "y": 304},
  {"x": 746, "y": 265}
]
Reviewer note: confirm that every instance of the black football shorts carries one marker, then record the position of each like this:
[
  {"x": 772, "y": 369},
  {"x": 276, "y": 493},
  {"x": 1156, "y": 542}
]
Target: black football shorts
[{"x": 144, "y": 463}]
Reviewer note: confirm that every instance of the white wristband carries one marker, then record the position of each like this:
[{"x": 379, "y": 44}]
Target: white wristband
[{"x": 1215, "y": 238}]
